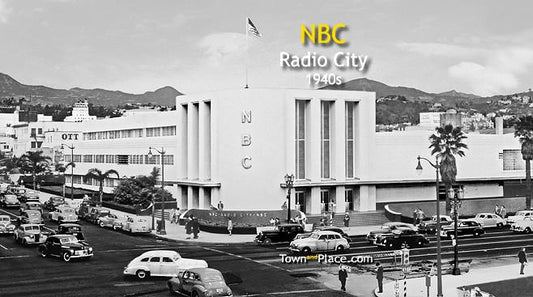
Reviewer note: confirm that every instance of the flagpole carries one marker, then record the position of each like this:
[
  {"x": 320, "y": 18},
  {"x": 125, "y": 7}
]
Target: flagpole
[{"x": 247, "y": 58}]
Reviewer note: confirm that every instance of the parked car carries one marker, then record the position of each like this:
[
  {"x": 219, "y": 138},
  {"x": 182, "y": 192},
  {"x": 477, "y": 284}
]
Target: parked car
[
  {"x": 200, "y": 282},
  {"x": 63, "y": 214},
  {"x": 66, "y": 247},
  {"x": 320, "y": 241},
  {"x": 6, "y": 225},
  {"x": 281, "y": 233},
  {"x": 72, "y": 229},
  {"x": 429, "y": 225},
  {"x": 9, "y": 200},
  {"x": 111, "y": 221},
  {"x": 96, "y": 213},
  {"x": 519, "y": 216},
  {"x": 487, "y": 220},
  {"x": 31, "y": 216},
  {"x": 464, "y": 227},
  {"x": 388, "y": 227},
  {"x": 27, "y": 234},
  {"x": 135, "y": 225},
  {"x": 19, "y": 191},
  {"x": 53, "y": 202},
  {"x": 334, "y": 229},
  {"x": 31, "y": 205},
  {"x": 161, "y": 263},
  {"x": 525, "y": 225},
  {"x": 401, "y": 238}
]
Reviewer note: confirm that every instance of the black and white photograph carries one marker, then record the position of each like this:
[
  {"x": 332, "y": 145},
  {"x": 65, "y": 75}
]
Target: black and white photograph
[{"x": 255, "y": 148}]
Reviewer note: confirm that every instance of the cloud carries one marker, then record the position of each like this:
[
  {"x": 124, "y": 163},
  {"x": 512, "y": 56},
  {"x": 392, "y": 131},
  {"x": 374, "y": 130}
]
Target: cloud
[
  {"x": 438, "y": 49},
  {"x": 222, "y": 47},
  {"x": 484, "y": 80},
  {"x": 5, "y": 11}
]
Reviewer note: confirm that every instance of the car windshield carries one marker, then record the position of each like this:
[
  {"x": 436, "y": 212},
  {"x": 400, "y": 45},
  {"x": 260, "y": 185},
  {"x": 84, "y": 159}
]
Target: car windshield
[
  {"x": 4, "y": 219},
  {"x": 33, "y": 214},
  {"x": 104, "y": 212},
  {"x": 68, "y": 239},
  {"x": 521, "y": 213},
  {"x": 32, "y": 228},
  {"x": 314, "y": 236}
]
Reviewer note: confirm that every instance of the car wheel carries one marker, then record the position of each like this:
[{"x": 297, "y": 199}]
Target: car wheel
[
  {"x": 141, "y": 274},
  {"x": 267, "y": 241},
  {"x": 66, "y": 256},
  {"x": 44, "y": 254},
  {"x": 102, "y": 225},
  {"x": 115, "y": 228},
  {"x": 340, "y": 248},
  {"x": 527, "y": 230},
  {"x": 24, "y": 242},
  {"x": 306, "y": 250}
]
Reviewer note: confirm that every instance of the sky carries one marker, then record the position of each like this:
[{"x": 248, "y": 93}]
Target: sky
[{"x": 483, "y": 47}]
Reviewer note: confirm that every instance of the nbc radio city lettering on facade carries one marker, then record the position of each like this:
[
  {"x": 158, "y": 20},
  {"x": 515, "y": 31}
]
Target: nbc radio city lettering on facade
[
  {"x": 246, "y": 139},
  {"x": 69, "y": 136}
]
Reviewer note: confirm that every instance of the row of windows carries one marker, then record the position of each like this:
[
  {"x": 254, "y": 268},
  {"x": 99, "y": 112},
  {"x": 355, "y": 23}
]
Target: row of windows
[
  {"x": 301, "y": 127},
  {"x": 121, "y": 159},
  {"x": 131, "y": 133},
  {"x": 78, "y": 179}
]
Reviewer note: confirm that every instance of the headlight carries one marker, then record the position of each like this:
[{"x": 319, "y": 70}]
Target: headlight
[
  {"x": 384, "y": 240},
  {"x": 90, "y": 250},
  {"x": 31, "y": 236}
]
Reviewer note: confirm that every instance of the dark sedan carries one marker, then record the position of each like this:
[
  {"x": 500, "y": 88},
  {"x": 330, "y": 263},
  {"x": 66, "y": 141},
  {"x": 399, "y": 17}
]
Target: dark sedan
[
  {"x": 200, "y": 282},
  {"x": 66, "y": 247},
  {"x": 464, "y": 227}
]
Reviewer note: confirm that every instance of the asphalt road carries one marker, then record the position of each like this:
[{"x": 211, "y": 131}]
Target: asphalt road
[{"x": 24, "y": 273}]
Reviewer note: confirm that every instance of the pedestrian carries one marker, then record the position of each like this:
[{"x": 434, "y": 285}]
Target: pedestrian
[
  {"x": 195, "y": 227},
  {"x": 379, "y": 277},
  {"x": 343, "y": 275},
  {"x": 333, "y": 208},
  {"x": 220, "y": 205},
  {"x": 346, "y": 220},
  {"x": 415, "y": 216},
  {"x": 421, "y": 215},
  {"x": 277, "y": 221},
  {"x": 188, "y": 227},
  {"x": 230, "y": 226},
  {"x": 272, "y": 221},
  {"x": 497, "y": 209},
  {"x": 503, "y": 211},
  {"x": 522, "y": 258}
]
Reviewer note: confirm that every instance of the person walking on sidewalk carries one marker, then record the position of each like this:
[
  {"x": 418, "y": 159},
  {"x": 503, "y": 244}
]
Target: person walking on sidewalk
[
  {"x": 503, "y": 211},
  {"x": 343, "y": 275},
  {"x": 379, "y": 277},
  {"x": 346, "y": 220},
  {"x": 522, "y": 258},
  {"x": 195, "y": 227},
  {"x": 230, "y": 226}
]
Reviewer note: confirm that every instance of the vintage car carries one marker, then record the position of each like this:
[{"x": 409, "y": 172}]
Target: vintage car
[
  {"x": 320, "y": 241},
  {"x": 200, "y": 282},
  {"x": 388, "y": 227},
  {"x": 6, "y": 225},
  {"x": 324, "y": 228},
  {"x": 27, "y": 234},
  {"x": 9, "y": 200},
  {"x": 66, "y": 247},
  {"x": 524, "y": 226},
  {"x": 31, "y": 216},
  {"x": 401, "y": 238},
  {"x": 72, "y": 229},
  {"x": 161, "y": 263},
  {"x": 519, "y": 216},
  {"x": 19, "y": 191},
  {"x": 464, "y": 227},
  {"x": 111, "y": 221},
  {"x": 135, "y": 225},
  {"x": 31, "y": 205},
  {"x": 429, "y": 225},
  {"x": 487, "y": 220},
  {"x": 281, "y": 233},
  {"x": 63, "y": 214},
  {"x": 53, "y": 202},
  {"x": 96, "y": 213}
]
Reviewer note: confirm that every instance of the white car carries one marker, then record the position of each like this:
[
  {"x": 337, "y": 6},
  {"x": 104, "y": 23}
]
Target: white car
[
  {"x": 165, "y": 263},
  {"x": 63, "y": 214},
  {"x": 519, "y": 216},
  {"x": 487, "y": 219},
  {"x": 525, "y": 225},
  {"x": 320, "y": 241},
  {"x": 136, "y": 225},
  {"x": 6, "y": 226}
]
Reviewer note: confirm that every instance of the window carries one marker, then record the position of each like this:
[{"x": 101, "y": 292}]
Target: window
[
  {"x": 153, "y": 132},
  {"x": 325, "y": 138},
  {"x": 155, "y": 259},
  {"x": 350, "y": 139},
  {"x": 300, "y": 138},
  {"x": 348, "y": 198},
  {"x": 169, "y": 159},
  {"x": 167, "y": 260},
  {"x": 87, "y": 158},
  {"x": 33, "y": 144},
  {"x": 512, "y": 160},
  {"x": 122, "y": 159},
  {"x": 169, "y": 131},
  {"x": 110, "y": 159},
  {"x": 77, "y": 158},
  {"x": 144, "y": 259},
  {"x": 99, "y": 158},
  {"x": 87, "y": 180},
  {"x": 40, "y": 131},
  {"x": 155, "y": 159},
  {"x": 32, "y": 132},
  {"x": 323, "y": 237},
  {"x": 324, "y": 199}
]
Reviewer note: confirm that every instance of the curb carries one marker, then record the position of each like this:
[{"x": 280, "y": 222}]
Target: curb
[{"x": 163, "y": 238}]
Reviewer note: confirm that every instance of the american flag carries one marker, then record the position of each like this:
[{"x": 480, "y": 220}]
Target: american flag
[{"x": 252, "y": 29}]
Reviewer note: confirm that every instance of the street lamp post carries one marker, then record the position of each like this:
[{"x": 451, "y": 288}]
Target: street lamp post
[
  {"x": 439, "y": 257},
  {"x": 150, "y": 155},
  {"x": 289, "y": 182},
  {"x": 456, "y": 197},
  {"x": 71, "y": 147}
]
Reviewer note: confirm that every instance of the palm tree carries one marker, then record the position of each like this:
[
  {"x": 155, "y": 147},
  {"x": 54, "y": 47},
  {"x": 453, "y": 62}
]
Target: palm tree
[
  {"x": 100, "y": 177},
  {"x": 445, "y": 144},
  {"x": 35, "y": 162},
  {"x": 524, "y": 132}
]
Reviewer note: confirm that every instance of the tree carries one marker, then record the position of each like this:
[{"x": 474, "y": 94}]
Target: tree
[
  {"x": 101, "y": 177},
  {"x": 141, "y": 191},
  {"x": 34, "y": 162},
  {"x": 445, "y": 144},
  {"x": 524, "y": 132}
]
